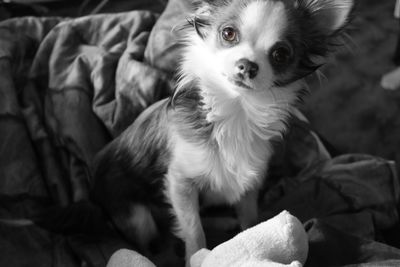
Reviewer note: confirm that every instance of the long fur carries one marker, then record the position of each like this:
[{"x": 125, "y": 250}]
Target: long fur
[{"x": 212, "y": 138}]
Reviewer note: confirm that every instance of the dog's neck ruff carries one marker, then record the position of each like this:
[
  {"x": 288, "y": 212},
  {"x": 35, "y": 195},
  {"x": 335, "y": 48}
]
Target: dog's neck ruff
[
  {"x": 243, "y": 117},
  {"x": 239, "y": 142}
]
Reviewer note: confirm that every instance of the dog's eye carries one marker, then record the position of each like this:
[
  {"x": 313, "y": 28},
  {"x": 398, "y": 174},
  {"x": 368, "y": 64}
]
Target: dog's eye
[
  {"x": 229, "y": 34},
  {"x": 281, "y": 54}
]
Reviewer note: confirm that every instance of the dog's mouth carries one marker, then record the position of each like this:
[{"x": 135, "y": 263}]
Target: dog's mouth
[{"x": 240, "y": 83}]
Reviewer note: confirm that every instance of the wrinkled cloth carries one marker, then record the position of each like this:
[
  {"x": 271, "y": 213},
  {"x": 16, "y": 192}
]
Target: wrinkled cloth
[
  {"x": 329, "y": 191},
  {"x": 69, "y": 86}
]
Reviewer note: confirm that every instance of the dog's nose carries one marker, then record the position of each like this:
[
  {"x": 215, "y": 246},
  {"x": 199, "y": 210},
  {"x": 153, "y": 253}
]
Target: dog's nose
[{"x": 246, "y": 68}]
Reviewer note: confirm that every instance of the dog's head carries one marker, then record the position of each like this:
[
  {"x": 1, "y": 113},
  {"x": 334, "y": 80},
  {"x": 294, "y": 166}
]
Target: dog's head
[{"x": 259, "y": 45}]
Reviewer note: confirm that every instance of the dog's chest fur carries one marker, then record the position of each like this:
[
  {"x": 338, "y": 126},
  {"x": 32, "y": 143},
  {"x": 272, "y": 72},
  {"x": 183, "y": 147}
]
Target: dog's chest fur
[
  {"x": 225, "y": 150},
  {"x": 224, "y": 172}
]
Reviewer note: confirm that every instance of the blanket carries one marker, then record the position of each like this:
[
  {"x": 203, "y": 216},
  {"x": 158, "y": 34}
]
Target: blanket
[{"x": 69, "y": 86}]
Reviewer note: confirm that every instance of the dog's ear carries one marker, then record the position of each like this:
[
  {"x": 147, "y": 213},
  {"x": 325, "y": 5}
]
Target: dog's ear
[
  {"x": 200, "y": 18},
  {"x": 321, "y": 24},
  {"x": 329, "y": 15}
]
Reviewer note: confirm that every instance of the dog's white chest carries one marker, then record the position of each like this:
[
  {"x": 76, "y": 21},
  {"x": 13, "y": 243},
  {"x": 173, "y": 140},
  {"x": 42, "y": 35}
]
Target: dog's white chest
[
  {"x": 226, "y": 176},
  {"x": 232, "y": 158}
]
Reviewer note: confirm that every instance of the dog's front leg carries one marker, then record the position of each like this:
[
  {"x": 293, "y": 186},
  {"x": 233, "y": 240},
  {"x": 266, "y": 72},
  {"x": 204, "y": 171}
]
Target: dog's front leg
[
  {"x": 185, "y": 202},
  {"x": 247, "y": 209}
]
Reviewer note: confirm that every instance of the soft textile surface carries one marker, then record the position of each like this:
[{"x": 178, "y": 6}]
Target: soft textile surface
[
  {"x": 67, "y": 87},
  {"x": 278, "y": 242}
]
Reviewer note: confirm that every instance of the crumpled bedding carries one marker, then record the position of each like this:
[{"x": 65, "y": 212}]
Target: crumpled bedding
[{"x": 69, "y": 86}]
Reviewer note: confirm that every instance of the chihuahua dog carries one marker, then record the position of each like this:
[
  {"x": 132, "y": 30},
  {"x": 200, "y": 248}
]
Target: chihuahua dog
[{"x": 241, "y": 77}]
